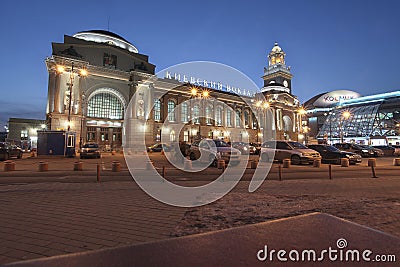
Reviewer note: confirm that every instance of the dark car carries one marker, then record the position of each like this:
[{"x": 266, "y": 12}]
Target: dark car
[
  {"x": 90, "y": 150},
  {"x": 255, "y": 148},
  {"x": 157, "y": 148},
  {"x": 349, "y": 147},
  {"x": 331, "y": 154},
  {"x": 387, "y": 150},
  {"x": 8, "y": 151},
  {"x": 377, "y": 152},
  {"x": 243, "y": 147}
]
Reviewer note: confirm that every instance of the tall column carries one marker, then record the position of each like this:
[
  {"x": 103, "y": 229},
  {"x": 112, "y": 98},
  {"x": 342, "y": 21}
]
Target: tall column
[
  {"x": 57, "y": 99},
  {"x": 50, "y": 92}
]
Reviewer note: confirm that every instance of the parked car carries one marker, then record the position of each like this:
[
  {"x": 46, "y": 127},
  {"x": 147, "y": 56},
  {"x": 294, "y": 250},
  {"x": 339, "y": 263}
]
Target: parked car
[
  {"x": 377, "y": 152},
  {"x": 212, "y": 150},
  {"x": 295, "y": 151},
  {"x": 331, "y": 154},
  {"x": 90, "y": 150},
  {"x": 349, "y": 147},
  {"x": 242, "y": 147},
  {"x": 387, "y": 150},
  {"x": 157, "y": 148},
  {"x": 255, "y": 148},
  {"x": 8, "y": 151}
]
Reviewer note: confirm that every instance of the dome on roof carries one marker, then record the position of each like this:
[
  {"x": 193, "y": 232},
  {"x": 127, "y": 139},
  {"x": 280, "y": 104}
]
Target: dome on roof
[
  {"x": 101, "y": 36},
  {"x": 276, "y": 48}
]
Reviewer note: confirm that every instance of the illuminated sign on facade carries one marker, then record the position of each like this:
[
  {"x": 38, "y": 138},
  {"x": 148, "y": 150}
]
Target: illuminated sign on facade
[
  {"x": 209, "y": 84},
  {"x": 334, "y": 97}
]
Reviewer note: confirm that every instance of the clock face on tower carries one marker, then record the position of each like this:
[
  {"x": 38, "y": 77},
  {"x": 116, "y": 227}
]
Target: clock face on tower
[{"x": 285, "y": 83}]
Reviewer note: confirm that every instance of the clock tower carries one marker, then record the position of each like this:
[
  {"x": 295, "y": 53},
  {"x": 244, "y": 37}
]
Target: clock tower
[{"x": 277, "y": 75}]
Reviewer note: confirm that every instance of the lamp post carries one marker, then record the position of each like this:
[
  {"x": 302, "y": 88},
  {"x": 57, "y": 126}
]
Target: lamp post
[
  {"x": 304, "y": 129},
  {"x": 72, "y": 71},
  {"x": 346, "y": 114},
  {"x": 194, "y": 93}
]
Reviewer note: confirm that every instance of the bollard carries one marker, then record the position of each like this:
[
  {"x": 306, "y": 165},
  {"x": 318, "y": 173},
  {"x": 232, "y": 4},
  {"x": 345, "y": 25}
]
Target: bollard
[
  {"x": 115, "y": 166},
  {"x": 253, "y": 164},
  {"x": 371, "y": 162},
  {"x": 280, "y": 172},
  {"x": 9, "y": 166},
  {"x": 317, "y": 163},
  {"x": 344, "y": 162},
  {"x": 286, "y": 163},
  {"x": 373, "y": 172},
  {"x": 187, "y": 164},
  {"x": 98, "y": 172},
  {"x": 330, "y": 171},
  {"x": 78, "y": 166},
  {"x": 221, "y": 164},
  {"x": 43, "y": 166},
  {"x": 164, "y": 171},
  {"x": 396, "y": 162}
]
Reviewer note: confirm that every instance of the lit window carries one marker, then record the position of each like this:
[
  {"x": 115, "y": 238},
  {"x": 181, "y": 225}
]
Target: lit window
[
  {"x": 246, "y": 118},
  {"x": 229, "y": 118},
  {"x": 208, "y": 115},
  {"x": 196, "y": 114},
  {"x": 238, "y": 118},
  {"x": 218, "y": 116},
  {"x": 184, "y": 112},
  {"x": 105, "y": 105},
  {"x": 171, "y": 110},
  {"x": 157, "y": 109}
]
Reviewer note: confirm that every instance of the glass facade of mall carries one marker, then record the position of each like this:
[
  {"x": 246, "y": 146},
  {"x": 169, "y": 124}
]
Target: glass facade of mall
[{"x": 373, "y": 119}]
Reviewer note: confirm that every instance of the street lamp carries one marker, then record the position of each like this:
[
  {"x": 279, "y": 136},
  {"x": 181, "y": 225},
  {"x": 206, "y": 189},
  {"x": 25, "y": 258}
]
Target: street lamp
[
  {"x": 301, "y": 111},
  {"x": 346, "y": 114},
  {"x": 83, "y": 73}
]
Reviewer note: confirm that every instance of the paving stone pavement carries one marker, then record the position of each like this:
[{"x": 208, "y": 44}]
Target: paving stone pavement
[{"x": 47, "y": 219}]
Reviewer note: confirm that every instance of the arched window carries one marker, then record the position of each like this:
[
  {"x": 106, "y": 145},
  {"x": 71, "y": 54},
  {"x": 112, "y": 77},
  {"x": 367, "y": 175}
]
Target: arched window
[
  {"x": 105, "y": 105},
  {"x": 196, "y": 114},
  {"x": 238, "y": 118},
  {"x": 157, "y": 110},
  {"x": 218, "y": 116},
  {"x": 229, "y": 118},
  {"x": 171, "y": 110},
  {"x": 184, "y": 112},
  {"x": 246, "y": 118},
  {"x": 254, "y": 120},
  {"x": 209, "y": 115}
]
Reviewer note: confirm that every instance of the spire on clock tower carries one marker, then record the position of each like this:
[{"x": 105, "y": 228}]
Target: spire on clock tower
[{"x": 277, "y": 75}]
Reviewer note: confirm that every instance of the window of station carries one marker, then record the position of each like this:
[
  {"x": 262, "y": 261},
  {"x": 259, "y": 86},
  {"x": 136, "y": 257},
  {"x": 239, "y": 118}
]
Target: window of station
[
  {"x": 91, "y": 134},
  {"x": 103, "y": 134},
  {"x": 209, "y": 115},
  {"x": 229, "y": 118},
  {"x": 105, "y": 105},
  {"x": 171, "y": 110},
  {"x": 184, "y": 112},
  {"x": 157, "y": 110}
]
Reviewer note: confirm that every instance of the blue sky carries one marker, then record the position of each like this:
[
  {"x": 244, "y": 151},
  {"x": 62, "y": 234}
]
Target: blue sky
[{"x": 329, "y": 44}]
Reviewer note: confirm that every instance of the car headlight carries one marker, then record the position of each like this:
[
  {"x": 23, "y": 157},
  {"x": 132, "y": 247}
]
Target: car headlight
[
  {"x": 364, "y": 150},
  {"x": 245, "y": 148}
]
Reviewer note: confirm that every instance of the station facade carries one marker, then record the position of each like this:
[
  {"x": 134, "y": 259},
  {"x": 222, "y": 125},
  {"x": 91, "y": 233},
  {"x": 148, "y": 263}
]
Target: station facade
[{"x": 93, "y": 76}]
